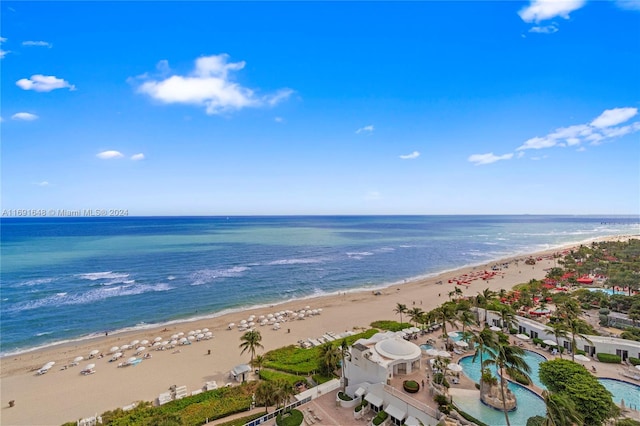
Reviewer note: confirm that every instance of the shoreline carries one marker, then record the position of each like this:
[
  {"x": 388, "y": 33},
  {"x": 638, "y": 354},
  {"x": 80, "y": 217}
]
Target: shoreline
[
  {"x": 64, "y": 394},
  {"x": 139, "y": 328}
]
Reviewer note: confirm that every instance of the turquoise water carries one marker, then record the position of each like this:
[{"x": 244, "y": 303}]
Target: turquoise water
[
  {"x": 623, "y": 390},
  {"x": 529, "y": 405},
  {"x": 609, "y": 291},
  {"x": 533, "y": 359},
  {"x": 426, "y": 346}
]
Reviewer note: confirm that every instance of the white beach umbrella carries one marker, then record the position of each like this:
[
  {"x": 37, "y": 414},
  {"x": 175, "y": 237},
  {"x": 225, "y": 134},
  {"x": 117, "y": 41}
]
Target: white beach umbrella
[
  {"x": 78, "y": 359},
  {"x": 251, "y": 324},
  {"x": 269, "y": 316},
  {"x": 155, "y": 344},
  {"x": 261, "y": 317},
  {"x": 183, "y": 339},
  {"x": 454, "y": 367},
  {"x": 173, "y": 342},
  {"x": 494, "y": 328},
  {"x": 50, "y": 363},
  {"x": 462, "y": 344},
  {"x": 432, "y": 352},
  {"x": 307, "y": 307},
  {"x": 117, "y": 355},
  {"x": 198, "y": 331},
  {"x": 300, "y": 316},
  {"x": 522, "y": 336},
  {"x": 582, "y": 358},
  {"x": 132, "y": 359},
  {"x": 134, "y": 342},
  {"x": 549, "y": 342},
  {"x": 264, "y": 322},
  {"x": 191, "y": 333},
  {"x": 444, "y": 354},
  {"x": 231, "y": 325},
  {"x": 452, "y": 334},
  {"x": 175, "y": 336},
  {"x": 125, "y": 347},
  {"x": 140, "y": 349},
  {"x": 165, "y": 342},
  {"x": 295, "y": 314},
  {"x": 94, "y": 352},
  {"x": 181, "y": 334},
  {"x": 200, "y": 336},
  {"x": 113, "y": 349},
  {"x": 90, "y": 367},
  {"x": 158, "y": 339},
  {"x": 205, "y": 330},
  {"x": 319, "y": 310},
  {"x": 192, "y": 337},
  {"x": 144, "y": 342},
  {"x": 243, "y": 322}
]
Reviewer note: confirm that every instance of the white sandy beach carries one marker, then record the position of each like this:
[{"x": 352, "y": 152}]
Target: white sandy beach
[{"x": 66, "y": 395}]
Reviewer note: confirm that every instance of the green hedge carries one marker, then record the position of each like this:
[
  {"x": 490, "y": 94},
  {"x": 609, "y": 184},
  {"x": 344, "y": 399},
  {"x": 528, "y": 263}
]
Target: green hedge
[
  {"x": 343, "y": 396},
  {"x": 634, "y": 361},
  {"x": 381, "y": 417},
  {"x": 271, "y": 375},
  {"x": 240, "y": 421},
  {"x": 390, "y": 325},
  {"x": 290, "y": 418},
  {"x": 518, "y": 377},
  {"x": 470, "y": 417},
  {"x": 609, "y": 358}
]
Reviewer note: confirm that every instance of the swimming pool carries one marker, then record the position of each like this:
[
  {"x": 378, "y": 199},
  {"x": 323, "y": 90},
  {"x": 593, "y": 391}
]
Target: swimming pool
[
  {"x": 426, "y": 346},
  {"x": 533, "y": 359},
  {"x": 609, "y": 291},
  {"x": 529, "y": 405},
  {"x": 623, "y": 390}
]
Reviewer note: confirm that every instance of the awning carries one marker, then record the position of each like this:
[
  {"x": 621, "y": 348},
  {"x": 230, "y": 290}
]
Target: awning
[
  {"x": 395, "y": 412},
  {"x": 241, "y": 369},
  {"x": 373, "y": 399},
  {"x": 359, "y": 392},
  {"x": 412, "y": 421}
]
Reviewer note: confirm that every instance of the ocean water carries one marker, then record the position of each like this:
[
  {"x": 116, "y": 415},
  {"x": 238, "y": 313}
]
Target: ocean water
[{"x": 70, "y": 278}]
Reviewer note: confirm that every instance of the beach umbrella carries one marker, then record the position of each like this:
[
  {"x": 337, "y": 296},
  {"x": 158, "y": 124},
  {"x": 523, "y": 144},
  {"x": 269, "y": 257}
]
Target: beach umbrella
[
  {"x": 261, "y": 317},
  {"x": 231, "y": 325},
  {"x": 549, "y": 342},
  {"x": 432, "y": 352},
  {"x": 198, "y": 331},
  {"x": 307, "y": 307},
  {"x": 200, "y": 336},
  {"x": 191, "y": 332},
  {"x": 173, "y": 342},
  {"x": 183, "y": 339},
  {"x": 494, "y": 328},
  {"x": 157, "y": 344},
  {"x": 192, "y": 337},
  {"x": 270, "y": 316},
  {"x": 90, "y": 367},
  {"x": 140, "y": 349},
  {"x": 454, "y": 367},
  {"x": 117, "y": 355},
  {"x": 78, "y": 359},
  {"x": 243, "y": 322},
  {"x": 300, "y": 316},
  {"x": 452, "y": 334},
  {"x": 144, "y": 342},
  {"x": 462, "y": 344},
  {"x": 208, "y": 334},
  {"x": 158, "y": 339},
  {"x": 94, "y": 352},
  {"x": 50, "y": 364},
  {"x": 174, "y": 336},
  {"x": 132, "y": 359},
  {"x": 205, "y": 330},
  {"x": 444, "y": 354},
  {"x": 522, "y": 336},
  {"x": 113, "y": 349},
  {"x": 134, "y": 342},
  {"x": 319, "y": 310},
  {"x": 582, "y": 358}
]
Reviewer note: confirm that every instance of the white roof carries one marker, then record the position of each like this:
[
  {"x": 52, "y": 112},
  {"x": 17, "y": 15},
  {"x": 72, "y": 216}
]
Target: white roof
[
  {"x": 398, "y": 349},
  {"x": 374, "y": 399},
  {"x": 240, "y": 369},
  {"x": 395, "y": 412},
  {"x": 360, "y": 391},
  {"x": 411, "y": 421}
]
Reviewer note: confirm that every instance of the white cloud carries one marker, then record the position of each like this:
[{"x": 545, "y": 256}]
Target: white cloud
[
  {"x": 279, "y": 120},
  {"x": 542, "y": 10},
  {"x": 109, "y": 155},
  {"x": 37, "y": 43},
  {"x": 208, "y": 85},
  {"x": 597, "y": 131},
  {"x": 628, "y": 4},
  {"x": 4, "y": 53},
  {"x": 24, "y": 116},
  {"x": 612, "y": 117},
  {"x": 137, "y": 157},
  {"x": 479, "y": 159},
  {"x": 3, "y": 39},
  {"x": 365, "y": 129},
  {"x": 412, "y": 156},
  {"x": 44, "y": 83},
  {"x": 43, "y": 183},
  {"x": 547, "y": 29}
]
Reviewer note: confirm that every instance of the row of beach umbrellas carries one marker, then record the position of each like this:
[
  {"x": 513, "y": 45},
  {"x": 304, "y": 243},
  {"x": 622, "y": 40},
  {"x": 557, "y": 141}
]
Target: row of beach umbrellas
[{"x": 274, "y": 318}]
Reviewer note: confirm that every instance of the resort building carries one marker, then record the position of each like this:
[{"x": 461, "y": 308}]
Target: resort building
[
  {"x": 599, "y": 344},
  {"x": 371, "y": 366}
]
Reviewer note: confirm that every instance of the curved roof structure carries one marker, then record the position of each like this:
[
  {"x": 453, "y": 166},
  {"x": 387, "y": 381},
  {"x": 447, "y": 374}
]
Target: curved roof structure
[{"x": 398, "y": 349}]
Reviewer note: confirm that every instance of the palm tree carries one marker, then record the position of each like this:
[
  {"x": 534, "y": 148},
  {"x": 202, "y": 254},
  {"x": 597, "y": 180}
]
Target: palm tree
[
  {"x": 445, "y": 313},
  {"x": 401, "y": 308},
  {"x": 329, "y": 358},
  {"x": 466, "y": 318},
  {"x": 345, "y": 354},
  {"x": 250, "y": 342},
  {"x": 265, "y": 394},
  {"x": 283, "y": 391},
  {"x": 483, "y": 339},
  {"x": 416, "y": 315},
  {"x": 487, "y": 295},
  {"x": 561, "y": 411},
  {"x": 574, "y": 326},
  {"x": 559, "y": 330},
  {"x": 507, "y": 317},
  {"x": 258, "y": 362},
  {"x": 505, "y": 356}
]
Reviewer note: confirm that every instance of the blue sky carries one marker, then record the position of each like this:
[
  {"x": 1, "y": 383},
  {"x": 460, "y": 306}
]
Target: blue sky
[{"x": 212, "y": 108}]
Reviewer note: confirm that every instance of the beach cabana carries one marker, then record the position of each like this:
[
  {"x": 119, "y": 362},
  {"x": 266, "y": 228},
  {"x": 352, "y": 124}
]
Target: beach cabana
[
  {"x": 239, "y": 371},
  {"x": 374, "y": 400}
]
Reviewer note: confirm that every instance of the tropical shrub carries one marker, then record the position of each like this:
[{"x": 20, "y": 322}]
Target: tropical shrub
[
  {"x": 381, "y": 417},
  {"x": 290, "y": 418},
  {"x": 390, "y": 325},
  {"x": 609, "y": 358},
  {"x": 518, "y": 377},
  {"x": 634, "y": 361},
  {"x": 411, "y": 386},
  {"x": 343, "y": 396}
]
